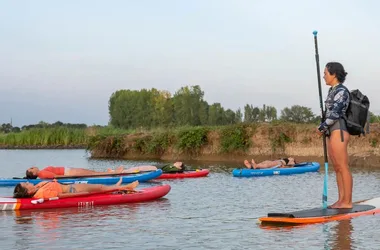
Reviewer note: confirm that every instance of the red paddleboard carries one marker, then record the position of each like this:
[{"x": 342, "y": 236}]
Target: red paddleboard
[
  {"x": 146, "y": 194},
  {"x": 185, "y": 174},
  {"x": 320, "y": 215}
]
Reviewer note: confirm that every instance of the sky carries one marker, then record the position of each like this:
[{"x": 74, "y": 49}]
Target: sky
[{"x": 62, "y": 60}]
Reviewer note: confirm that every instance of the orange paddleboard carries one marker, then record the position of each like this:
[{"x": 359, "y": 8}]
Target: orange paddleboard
[{"x": 320, "y": 215}]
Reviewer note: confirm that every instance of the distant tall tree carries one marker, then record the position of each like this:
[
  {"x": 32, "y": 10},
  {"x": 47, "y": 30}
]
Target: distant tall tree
[
  {"x": 203, "y": 113},
  {"x": 187, "y": 105},
  {"x": 262, "y": 114},
  {"x": 216, "y": 114},
  {"x": 270, "y": 113},
  {"x": 248, "y": 113},
  {"x": 298, "y": 114},
  {"x": 230, "y": 117},
  {"x": 238, "y": 116},
  {"x": 6, "y": 128},
  {"x": 255, "y": 116}
]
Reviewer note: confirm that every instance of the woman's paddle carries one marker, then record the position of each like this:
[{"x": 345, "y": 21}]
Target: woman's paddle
[{"x": 324, "y": 195}]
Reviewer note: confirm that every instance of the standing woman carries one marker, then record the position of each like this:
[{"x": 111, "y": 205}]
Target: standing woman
[{"x": 334, "y": 126}]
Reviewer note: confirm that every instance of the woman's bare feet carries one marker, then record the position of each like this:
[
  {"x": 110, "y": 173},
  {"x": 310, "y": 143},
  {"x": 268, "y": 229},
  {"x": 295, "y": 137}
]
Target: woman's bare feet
[
  {"x": 119, "y": 169},
  {"x": 247, "y": 164},
  {"x": 340, "y": 204},
  {"x": 253, "y": 164},
  {"x": 130, "y": 186},
  {"x": 334, "y": 205},
  {"x": 344, "y": 205}
]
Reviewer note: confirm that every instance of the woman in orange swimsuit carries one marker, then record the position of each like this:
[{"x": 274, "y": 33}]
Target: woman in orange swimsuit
[{"x": 52, "y": 189}]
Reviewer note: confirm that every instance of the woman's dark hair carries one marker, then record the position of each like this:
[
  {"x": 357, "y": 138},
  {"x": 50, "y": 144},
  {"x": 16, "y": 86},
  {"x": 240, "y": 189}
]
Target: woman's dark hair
[
  {"x": 21, "y": 192},
  {"x": 337, "y": 69},
  {"x": 30, "y": 175}
]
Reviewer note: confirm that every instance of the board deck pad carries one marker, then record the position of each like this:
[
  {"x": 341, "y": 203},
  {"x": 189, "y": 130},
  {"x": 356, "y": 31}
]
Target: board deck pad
[{"x": 320, "y": 212}]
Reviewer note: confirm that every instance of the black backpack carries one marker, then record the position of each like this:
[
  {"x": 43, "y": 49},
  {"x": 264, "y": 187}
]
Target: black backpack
[{"x": 357, "y": 114}]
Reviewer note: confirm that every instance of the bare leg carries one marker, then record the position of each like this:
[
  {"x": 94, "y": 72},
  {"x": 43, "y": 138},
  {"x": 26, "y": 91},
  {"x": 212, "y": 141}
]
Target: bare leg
[
  {"x": 344, "y": 177},
  {"x": 82, "y": 171},
  {"x": 267, "y": 164},
  {"x": 337, "y": 175},
  {"x": 118, "y": 170},
  {"x": 100, "y": 188},
  {"x": 140, "y": 169}
]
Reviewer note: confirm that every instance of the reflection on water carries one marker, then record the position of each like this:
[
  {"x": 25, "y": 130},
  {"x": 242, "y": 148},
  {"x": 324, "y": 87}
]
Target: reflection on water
[
  {"x": 217, "y": 212},
  {"x": 342, "y": 235},
  {"x": 337, "y": 234}
]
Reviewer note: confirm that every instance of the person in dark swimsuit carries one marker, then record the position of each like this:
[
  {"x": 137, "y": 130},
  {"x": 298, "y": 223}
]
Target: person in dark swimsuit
[
  {"x": 283, "y": 162},
  {"x": 335, "y": 128},
  {"x": 176, "y": 167}
]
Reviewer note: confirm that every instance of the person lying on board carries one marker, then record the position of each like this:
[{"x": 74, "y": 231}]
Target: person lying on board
[
  {"x": 51, "y": 189},
  {"x": 51, "y": 172},
  {"x": 177, "y": 167},
  {"x": 281, "y": 163}
]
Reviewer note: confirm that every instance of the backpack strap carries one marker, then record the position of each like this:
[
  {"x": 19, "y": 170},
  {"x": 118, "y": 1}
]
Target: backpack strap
[
  {"x": 341, "y": 130},
  {"x": 367, "y": 125},
  {"x": 343, "y": 116}
]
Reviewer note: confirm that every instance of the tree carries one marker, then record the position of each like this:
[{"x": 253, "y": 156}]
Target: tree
[
  {"x": 238, "y": 116},
  {"x": 229, "y": 117},
  {"x": 262, "y": 114},
  {"x": 16, "y": 130},
  {"x": 248, "y": 113},
  {"x": 187, "y": 103},
  {"x": 270, "y": 113},
  {"x": 6, "y": 128},
  {"x": 298, "y": 114},
  {"x": 216, "y": 114},
  {"x": 203, "y": 113},
  {"x": 255, "y": 116}
]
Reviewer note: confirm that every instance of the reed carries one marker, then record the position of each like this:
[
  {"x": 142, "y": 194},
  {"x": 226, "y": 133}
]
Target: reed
[{"x": 45, "y": 137}]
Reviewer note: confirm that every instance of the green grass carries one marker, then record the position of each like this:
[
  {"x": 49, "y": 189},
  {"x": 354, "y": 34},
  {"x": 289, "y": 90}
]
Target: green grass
[{"x": 60, "y": 136}]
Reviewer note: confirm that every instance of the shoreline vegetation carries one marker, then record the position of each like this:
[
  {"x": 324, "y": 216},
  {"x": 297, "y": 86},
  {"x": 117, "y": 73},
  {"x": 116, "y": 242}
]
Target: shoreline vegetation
[
  {"x": 228, "y": 143},
  {"x": 153, "y": 124}
]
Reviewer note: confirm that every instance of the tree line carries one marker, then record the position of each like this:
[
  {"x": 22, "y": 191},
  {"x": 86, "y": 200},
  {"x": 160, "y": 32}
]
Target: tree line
[
  {"x": 8, "y": 128},
  {"x": 155, "y": 108},
  {"x": 130, "y": 109}
]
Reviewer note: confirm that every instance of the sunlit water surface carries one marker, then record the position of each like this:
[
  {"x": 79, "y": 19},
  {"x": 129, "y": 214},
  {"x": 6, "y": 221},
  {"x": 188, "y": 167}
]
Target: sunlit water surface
[{"x": 217, "y": 212}]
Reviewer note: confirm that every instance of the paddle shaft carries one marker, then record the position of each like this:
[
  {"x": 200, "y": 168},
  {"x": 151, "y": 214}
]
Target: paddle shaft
[{"x": 324, "y": 195}]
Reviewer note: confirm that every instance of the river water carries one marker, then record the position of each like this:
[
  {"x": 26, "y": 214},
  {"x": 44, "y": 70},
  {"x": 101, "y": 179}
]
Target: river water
[{"x": 217, "y": 212}]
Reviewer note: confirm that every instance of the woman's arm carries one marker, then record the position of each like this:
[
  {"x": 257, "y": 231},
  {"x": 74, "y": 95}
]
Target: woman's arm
[
  {"x": 43, "y": 174},
  {"x": 68, "y": 195}
]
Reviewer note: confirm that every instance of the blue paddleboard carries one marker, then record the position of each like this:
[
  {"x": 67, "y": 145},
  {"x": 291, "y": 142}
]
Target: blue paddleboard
[
  {"x": 106, "y": 180},
  {"x": 299, "y": 168}
]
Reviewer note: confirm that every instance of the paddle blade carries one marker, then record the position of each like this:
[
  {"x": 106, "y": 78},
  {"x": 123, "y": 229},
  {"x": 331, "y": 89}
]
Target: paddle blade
[{"x": 324, "y": 196}]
